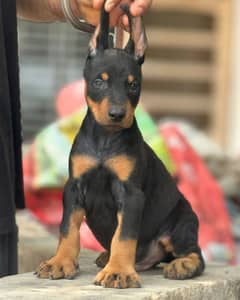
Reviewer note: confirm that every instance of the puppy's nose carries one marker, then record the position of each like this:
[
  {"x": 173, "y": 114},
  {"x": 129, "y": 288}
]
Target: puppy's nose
[{"x": 116, "y": 114}]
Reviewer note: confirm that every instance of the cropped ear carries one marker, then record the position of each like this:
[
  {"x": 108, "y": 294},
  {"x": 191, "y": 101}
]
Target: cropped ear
[
  {"x": 93, "y": 42},
  {"x": 99, "y": 40},
  {"x": 139, "y": 39},
  {"x": 137, "y": 42}
]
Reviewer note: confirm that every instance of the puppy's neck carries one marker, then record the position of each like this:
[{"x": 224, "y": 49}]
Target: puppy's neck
[{"x": 101, "y": 139}]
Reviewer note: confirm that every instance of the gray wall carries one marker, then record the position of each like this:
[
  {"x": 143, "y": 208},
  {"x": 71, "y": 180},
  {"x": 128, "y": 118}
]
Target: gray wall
[{"x": 51, "y": 55}]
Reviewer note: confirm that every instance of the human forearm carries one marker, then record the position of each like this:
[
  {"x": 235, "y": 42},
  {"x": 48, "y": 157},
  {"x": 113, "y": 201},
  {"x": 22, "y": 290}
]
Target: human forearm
[
  {"x": 51, "y": 10},
  {"x": 39, "y": 10}
]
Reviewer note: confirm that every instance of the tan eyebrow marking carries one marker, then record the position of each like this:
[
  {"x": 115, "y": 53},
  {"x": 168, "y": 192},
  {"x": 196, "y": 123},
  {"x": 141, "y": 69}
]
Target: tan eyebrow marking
[
  {"x": 130, "y": 78},
  {"x": 105, "y": 76}
]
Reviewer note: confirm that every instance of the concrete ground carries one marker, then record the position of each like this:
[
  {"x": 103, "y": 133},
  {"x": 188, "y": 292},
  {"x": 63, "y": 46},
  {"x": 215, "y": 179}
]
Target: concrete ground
[
  {"x": 36, "y": 244},
  {"x": 217, "y": 283}
]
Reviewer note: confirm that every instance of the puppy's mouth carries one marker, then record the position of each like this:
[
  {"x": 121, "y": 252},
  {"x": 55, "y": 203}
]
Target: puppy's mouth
[{"x": 114, "y": 126}]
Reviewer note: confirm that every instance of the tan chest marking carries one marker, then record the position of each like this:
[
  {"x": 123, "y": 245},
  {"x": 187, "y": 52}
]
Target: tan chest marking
[
  {"x": 81, "y": 164},
  {"x": 121, "y": 165}
]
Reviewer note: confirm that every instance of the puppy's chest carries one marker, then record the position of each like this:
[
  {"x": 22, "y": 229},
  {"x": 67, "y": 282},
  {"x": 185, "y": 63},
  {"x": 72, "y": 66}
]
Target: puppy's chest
[{"x": 121, "y": 165}]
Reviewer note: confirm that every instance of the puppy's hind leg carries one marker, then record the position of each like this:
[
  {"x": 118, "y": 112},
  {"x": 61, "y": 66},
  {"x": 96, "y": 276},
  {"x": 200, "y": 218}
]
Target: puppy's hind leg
[{"x": 182, "y": 243}]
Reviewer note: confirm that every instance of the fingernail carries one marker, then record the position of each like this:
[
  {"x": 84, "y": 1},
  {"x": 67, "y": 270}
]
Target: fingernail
[
  {"x": 109, "y": 5},
  {"x": 136, "y": 10}
]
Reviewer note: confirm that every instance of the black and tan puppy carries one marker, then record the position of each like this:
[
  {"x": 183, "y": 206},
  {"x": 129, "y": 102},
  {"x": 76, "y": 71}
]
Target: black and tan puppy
[{"x": 130, "y": 201}]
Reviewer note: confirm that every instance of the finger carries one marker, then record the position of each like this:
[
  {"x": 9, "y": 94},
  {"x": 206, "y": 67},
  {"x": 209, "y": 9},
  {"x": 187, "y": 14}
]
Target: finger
[
  {"x": 137, "y": 8},
  {"x": 115, "y": 15},
  {"x": 111, "y": 4},
  {"x": 90, "y": 15},
  {"x": 125, "y": 22},
  {"x": 98, "y": 3}
]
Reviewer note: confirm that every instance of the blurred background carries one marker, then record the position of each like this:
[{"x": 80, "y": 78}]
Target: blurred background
[{"x": 189, "y": 113}]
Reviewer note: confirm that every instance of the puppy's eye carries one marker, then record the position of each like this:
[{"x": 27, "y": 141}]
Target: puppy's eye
[
  {"x": 99, "y": 83},
  {"x": 134, "y": 86}
]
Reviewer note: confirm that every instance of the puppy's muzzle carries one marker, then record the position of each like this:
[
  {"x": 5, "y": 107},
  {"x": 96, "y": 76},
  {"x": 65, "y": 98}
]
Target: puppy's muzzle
[{"x": 116, "y": 113}]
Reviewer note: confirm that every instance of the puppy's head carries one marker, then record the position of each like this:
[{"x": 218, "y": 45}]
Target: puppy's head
[{"x": 113, "y": 76}]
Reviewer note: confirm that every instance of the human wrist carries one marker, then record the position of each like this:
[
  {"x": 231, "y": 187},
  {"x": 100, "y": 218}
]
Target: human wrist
[
  {"x": 72, "y": 14},
  {"x": 75, "y": 7}
]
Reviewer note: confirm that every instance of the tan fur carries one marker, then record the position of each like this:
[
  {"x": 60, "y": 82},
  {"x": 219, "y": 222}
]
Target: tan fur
[
  {"x": 105, "y": 76},
  {"x": 121, "y": 263},
  {"x": 127, "y": 121},
  {"x": 81, "y": 164},
  {"x": 69, "y": 245},
  {"x": 99, "y": 110},
  {"x": 122, "y": 251},
  {"x": 130, "y": 78},
  {"x": 195, "y": 258},
  {"x": 182, "y": 268},
  {"x": 121, "y": 165},
  {"x": 65, "y": 263}
]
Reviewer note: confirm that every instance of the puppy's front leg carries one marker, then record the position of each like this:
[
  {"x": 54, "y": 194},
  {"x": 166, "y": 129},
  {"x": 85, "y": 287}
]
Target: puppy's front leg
[
  {"x": 65, "y": 263},
  {"x": 120, "y": 270}
]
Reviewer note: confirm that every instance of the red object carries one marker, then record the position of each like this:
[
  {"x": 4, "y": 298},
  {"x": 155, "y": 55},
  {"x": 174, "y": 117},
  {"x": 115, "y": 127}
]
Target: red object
[
  {"x": 201, "y": 189},
  {"x": 88, "y": 240},
  {"x": 70, "y": 98},
  {"x": 45, "y": 204}
]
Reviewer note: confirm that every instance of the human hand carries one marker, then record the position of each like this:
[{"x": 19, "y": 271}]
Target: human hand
[
  {"x": 137, "y": 8},
  {"x": 90, "y": 10},
  {"x": 86, "y": 10}
]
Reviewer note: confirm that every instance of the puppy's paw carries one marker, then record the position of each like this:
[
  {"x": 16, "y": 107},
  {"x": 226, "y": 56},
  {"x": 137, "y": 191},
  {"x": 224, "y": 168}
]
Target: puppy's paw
[
  {"x": 57, "y": 268},
  {"x": 119, "y": 280},
  {"x": 184, "y": 268}
]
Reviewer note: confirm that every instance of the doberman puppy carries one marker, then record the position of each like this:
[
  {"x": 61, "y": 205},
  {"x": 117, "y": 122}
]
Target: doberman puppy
[{"x": 130, "y": 201}]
